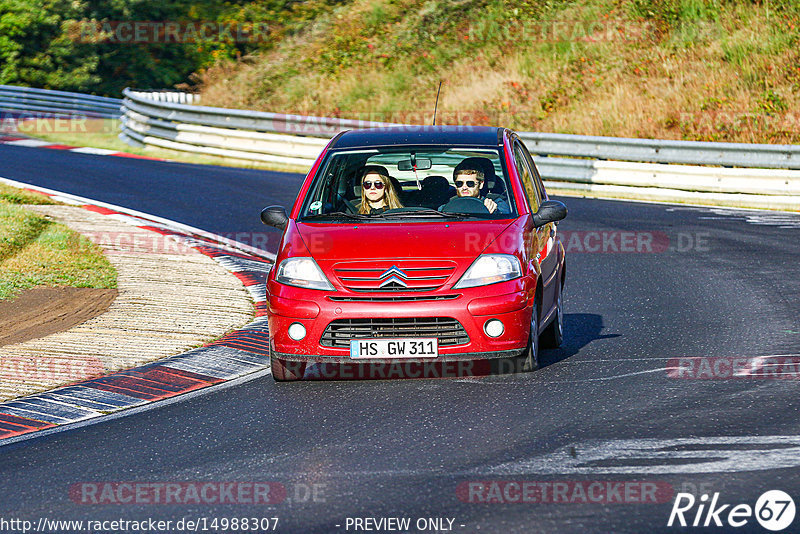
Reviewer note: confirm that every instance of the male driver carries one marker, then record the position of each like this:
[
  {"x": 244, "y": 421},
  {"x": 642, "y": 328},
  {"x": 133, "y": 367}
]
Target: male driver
[{"x": 468, "y": 178}]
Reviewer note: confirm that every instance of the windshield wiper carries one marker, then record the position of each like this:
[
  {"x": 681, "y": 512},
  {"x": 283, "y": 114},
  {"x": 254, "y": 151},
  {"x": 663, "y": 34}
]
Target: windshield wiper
[
  {"x": 336, "y": 215},
  {"x": 423, "y": 213}
]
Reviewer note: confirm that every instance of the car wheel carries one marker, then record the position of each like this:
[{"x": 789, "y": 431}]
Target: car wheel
[
  {"x": 553, "y": 335},
  {"x": 530, "y": 358},
  {"x": 282, "y": 372}
]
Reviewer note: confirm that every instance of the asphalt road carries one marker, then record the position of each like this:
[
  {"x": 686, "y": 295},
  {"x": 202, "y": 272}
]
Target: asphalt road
[{"x": 607, "y": 413}]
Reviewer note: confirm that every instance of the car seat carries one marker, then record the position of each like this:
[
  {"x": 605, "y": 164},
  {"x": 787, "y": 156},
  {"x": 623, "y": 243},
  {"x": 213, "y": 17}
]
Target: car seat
[{"x": 436, "y": 190}]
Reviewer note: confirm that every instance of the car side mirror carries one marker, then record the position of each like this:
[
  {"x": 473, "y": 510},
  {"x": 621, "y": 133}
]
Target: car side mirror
[
  {"x": 275, "y": 216},
  {"x": 549, "y": 211}
]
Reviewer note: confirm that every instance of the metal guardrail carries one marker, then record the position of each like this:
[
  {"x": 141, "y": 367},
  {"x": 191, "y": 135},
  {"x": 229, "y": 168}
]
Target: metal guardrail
[
  {"x": 27, "y": 102},
  {"x": 257, "y": 121},
  {"x": 636, "y": 168},
  {"x": 664, "y": 151},
  {"x": 175, "y": 97},
  {"x": 542, "y": 144}
]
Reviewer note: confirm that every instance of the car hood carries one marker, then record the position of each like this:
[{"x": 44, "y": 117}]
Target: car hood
[{"x": 460, "y": 239}]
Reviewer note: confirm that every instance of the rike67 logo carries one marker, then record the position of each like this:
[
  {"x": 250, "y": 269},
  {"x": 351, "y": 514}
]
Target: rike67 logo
[{"x": 774, "y": 511}]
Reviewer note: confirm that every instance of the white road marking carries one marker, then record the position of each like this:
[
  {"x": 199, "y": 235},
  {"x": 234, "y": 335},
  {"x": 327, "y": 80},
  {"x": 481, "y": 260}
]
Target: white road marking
[
  {"x": 92, "y": 150},
  {"x": 66, "y": 200},
  {"x": 658, "y": 358},
  {"x": 781, "y": 219},
  {"x": 728, "y": 454},
  {"x": 127, "y": 219},
  {"x": 29, "y": 143},
  {"x": 614, "y": 377}
]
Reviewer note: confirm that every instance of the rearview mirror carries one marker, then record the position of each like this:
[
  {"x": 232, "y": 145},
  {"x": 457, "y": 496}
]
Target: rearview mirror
[
  {"x": 549, "y": 211},
  {"x": 423, "y": 164},
  {"x": 275, "y": 216}
]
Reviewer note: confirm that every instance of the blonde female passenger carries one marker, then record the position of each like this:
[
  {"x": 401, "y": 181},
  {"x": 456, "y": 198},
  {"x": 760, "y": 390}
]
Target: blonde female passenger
[{"x": 377, "y": 191}]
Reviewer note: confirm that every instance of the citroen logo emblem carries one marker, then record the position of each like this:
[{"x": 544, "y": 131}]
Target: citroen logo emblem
[
  {"x": 393, "y": 280},
  {"x": 393, "y": 271},
  {"x": 393, "y": 276}
]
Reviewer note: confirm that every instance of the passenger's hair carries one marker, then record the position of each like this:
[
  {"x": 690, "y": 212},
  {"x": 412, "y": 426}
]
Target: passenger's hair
[{"x": 391, "y": 198}]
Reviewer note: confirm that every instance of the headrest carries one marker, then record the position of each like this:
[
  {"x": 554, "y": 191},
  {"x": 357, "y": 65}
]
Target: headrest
[{"x": 435, "y": 183}]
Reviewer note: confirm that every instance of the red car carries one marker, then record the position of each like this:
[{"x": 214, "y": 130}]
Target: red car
[{"x": 416, "y": 245}]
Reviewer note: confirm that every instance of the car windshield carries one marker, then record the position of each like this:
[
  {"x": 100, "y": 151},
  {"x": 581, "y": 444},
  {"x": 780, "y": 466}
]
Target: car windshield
[{"x": 420, "y": 183}]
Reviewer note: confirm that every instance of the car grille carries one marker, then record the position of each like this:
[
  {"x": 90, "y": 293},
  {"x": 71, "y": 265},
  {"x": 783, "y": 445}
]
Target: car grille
[
  {"x": 446, "y": 329},
  {"x": 401, "y": 275}
]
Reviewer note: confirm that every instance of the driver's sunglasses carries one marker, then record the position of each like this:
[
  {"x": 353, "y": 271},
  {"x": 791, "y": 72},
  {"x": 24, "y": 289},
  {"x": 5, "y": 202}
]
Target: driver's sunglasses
[
  {"x": 470, "y": 183},
  {"x": 370, "y": 185}
]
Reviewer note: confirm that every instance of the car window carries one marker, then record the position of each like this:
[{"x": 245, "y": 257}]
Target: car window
[
  {"x": 420, "y": 182},
  {"x": 537, "y": 179},
  {"x": 526, "y": 175}
]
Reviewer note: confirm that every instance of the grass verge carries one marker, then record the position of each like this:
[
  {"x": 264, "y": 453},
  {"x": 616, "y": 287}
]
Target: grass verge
[
  {"x": 36, "y": 251},
  {"x": 13, "y": 195}
]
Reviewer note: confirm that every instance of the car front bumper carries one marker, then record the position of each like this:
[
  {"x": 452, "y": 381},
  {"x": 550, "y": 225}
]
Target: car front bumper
[{"x": 510, "y": 302}]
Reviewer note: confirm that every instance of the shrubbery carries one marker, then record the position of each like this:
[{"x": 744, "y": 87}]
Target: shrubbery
[{"x": 43, "y": 43}]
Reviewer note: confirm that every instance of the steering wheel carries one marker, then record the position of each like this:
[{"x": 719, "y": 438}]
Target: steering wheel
[{"x": 465, "y": 205}]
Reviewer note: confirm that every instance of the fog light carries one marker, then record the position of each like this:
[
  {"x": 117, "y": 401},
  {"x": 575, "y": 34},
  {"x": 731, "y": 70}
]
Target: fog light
[
  {"x": 494, "y": 328},
  {"x": 297, "y": 331}
]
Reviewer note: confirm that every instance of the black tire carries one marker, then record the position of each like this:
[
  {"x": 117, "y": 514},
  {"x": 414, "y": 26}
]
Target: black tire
[
  {"x": 282, "y": 372},
  {"x": 553, "y": 335},
  {"x": 529, "y": 360}
]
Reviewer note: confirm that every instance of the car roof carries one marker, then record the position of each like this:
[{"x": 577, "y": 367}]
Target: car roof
[{"x": 419, "y": 135}]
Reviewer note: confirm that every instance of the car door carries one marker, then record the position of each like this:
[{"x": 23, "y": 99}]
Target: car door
[
  {"x": 549, "y": 260},
  {"x": 538, "y": 239}
]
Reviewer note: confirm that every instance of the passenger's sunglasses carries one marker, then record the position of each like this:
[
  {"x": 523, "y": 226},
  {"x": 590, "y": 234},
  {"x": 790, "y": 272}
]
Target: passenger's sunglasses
[
  {"x": 470, "y": 183},
  {"x": 370, "y": 185}
]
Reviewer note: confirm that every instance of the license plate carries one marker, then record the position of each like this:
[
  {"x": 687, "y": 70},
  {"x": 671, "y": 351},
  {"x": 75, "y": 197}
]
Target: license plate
[{"x": 394, "y": 348}]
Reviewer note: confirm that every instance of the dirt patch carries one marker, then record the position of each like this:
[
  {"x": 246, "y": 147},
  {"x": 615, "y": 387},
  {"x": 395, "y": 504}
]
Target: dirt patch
[{"x": 43, "y": 311}]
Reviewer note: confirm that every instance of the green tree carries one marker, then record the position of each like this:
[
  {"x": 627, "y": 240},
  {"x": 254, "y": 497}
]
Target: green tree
[
  {"x": 35, "y": 52},
  {"x": 55, "y": 44}
]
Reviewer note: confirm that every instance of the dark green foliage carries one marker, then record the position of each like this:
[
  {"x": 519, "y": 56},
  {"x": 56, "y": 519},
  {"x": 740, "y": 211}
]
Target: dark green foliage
[
  {"x": 53, "y": 44},
  {"x": 34, "y": 51}
]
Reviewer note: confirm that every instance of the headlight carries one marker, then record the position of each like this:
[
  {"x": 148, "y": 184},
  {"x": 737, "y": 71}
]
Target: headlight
[
  {"x": 490, "y": 269},
  {"x": 302, "y": 272}
]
